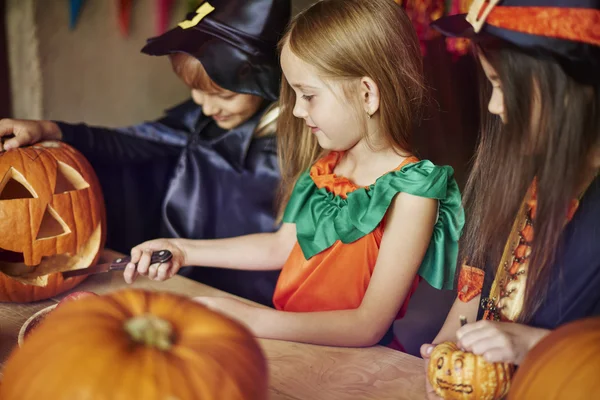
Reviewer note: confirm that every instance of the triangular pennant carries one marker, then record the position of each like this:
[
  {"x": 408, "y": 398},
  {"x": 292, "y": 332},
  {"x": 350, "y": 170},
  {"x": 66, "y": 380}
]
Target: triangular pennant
[
  {"x": 74, "y": 10},
  {"x": 124, "y": 17},
  {"x": 163, "y": 15}
]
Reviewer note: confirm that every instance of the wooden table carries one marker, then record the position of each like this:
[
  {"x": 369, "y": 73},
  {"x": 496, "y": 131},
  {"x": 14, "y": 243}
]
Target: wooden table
[{"x": 297, "y": 371}]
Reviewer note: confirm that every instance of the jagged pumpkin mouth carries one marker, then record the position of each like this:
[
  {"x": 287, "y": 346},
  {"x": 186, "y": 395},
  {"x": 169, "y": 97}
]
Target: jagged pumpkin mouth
[
  {"x": 455, "y": 387},
  {"x": 12, "y": 263}
]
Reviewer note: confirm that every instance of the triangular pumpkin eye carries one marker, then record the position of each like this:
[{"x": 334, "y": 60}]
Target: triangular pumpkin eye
[
  {"x": 68, "y": 179},
  {"x": 52, "y": 225},
  {"x": 15, "y": 186}
]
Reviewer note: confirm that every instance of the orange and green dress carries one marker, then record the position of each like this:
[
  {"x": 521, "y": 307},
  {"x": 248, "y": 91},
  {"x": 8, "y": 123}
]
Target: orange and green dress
[{"x": 339, "y": 228}]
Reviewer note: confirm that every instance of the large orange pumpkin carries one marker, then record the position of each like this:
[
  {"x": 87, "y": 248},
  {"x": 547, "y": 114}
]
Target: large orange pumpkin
[
  {"x": 563, "y": 365},
  {"x": 461, "y": 375},
  {"x": 135, "y": 344},
  {"x": 52, "y": 219}
]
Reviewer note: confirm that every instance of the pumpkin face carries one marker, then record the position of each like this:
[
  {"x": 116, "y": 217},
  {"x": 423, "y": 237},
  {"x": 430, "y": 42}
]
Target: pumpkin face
[
  {"x": 456, "y": 374},
  {"x": 563, "y": 365},
  {"x": 52, "y": 205},
  {"x": 135, "y": 344}
]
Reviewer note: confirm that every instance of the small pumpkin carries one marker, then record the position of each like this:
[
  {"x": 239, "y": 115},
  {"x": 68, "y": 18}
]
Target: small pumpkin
[
  {"x": 52, "y": 206},
  {"x": 136, "y": 344},
  {"x": 456, "y": 374},
  {"x": 563, "y": 365}
]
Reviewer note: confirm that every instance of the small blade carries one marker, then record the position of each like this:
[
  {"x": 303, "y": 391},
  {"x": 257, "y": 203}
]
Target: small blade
[
  {"x": 87, "y": 271},
  {"x": 118, "y": 264}
]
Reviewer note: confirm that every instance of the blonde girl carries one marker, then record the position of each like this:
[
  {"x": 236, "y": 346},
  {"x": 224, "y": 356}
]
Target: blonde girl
[{"x": 364, "y": 218}]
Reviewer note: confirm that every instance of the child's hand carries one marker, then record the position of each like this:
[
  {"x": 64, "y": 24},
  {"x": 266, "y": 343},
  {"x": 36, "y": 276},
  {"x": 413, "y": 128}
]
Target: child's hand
[
  {"x": 26, "y": 132},
  {"x": 426, "y": 350},
  {"x": 141, "y": 254},
  {"x": 499, "y": 341}
]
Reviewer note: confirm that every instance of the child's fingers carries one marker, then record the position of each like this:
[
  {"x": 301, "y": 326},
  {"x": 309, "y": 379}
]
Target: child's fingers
[
  {"x": 163, "y": 271},
  {"x": 143, "y": 264},
  {"x": 426, "y": 350},
  {"x": 499, "y": 354},
  {"x": 153, "y": 271},
  {"x": 473, "y": 327},
  {"x": 13, "y": 143},
  {"x": 136, "y": 254},
  {"x": 130, "y": 273},
  {"x": 487, "y": 343},
  {"x": 468, "y": 340}
]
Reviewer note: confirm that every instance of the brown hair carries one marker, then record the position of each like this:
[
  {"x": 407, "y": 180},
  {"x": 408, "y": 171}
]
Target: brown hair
[
  {"x": 192, "y": 73},
  {"x": 347, "y": 40},
  {"x": 552, "y": 125}
]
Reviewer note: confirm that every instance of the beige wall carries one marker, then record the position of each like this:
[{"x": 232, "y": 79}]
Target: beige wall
[{"x": 91, "y": 74}]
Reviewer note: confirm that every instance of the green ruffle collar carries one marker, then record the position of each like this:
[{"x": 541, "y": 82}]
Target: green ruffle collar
[{"x": 322, "y": 218}]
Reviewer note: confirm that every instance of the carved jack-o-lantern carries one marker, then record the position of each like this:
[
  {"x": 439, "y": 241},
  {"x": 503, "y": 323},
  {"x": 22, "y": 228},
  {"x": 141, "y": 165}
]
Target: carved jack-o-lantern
[
  {"x": 456, "y": 374},
  {"x": 52, "y": 219}
]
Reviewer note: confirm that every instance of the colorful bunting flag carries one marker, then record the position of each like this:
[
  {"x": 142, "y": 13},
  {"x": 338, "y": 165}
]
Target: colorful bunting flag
[
  {"x": 124, "y": 15},
  {"x": 163, "y": 15},
  {"x": 74, "y": 10}
]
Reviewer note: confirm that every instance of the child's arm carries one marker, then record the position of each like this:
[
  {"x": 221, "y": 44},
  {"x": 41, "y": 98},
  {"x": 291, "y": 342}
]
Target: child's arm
[
  {"x": 452, "y": 322},
  {"x": 260, "y": 251},
  {"x": 98, "y": 144},
  {"x": 408, "y": 232}
]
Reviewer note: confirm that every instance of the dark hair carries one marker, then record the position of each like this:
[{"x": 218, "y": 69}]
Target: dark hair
[{"x": 552, "y": 125}]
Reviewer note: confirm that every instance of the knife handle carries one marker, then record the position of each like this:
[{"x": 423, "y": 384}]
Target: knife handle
[{"x": 157, "y": 257}]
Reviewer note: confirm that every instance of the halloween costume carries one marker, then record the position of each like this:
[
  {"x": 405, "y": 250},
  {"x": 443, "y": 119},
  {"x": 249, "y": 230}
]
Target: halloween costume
[
  {"x": 565, "y": 31},
  {"x": 339, "y": 229},
  {"x": 184, "y": 177},
  {"x": 574, "y": 290}
]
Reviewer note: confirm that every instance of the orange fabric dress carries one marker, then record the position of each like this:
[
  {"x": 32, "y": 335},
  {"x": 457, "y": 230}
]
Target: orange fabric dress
[
  {"x": 339, "y": 227},
  {"x": 344, "y": 268}
]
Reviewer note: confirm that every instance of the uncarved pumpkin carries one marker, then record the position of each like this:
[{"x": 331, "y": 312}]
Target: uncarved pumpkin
[
  {"x": 136, "y": 344},
  {"x": 456, "y": 374},
  {"x": 563, "y": 365},
  {"x": 52, "y": 219}
]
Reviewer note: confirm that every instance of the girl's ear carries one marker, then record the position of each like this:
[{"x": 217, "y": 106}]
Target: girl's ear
[{"x": 369, "y": 92}]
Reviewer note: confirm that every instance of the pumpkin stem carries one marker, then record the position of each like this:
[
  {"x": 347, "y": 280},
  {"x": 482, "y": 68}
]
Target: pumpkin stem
[{"x": 150, "y": 330}]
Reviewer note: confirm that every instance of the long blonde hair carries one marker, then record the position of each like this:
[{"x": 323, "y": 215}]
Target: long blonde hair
[{"x": 346, "y": 40}]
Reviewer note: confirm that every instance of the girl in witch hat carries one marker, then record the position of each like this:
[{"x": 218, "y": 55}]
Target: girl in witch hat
[
  {"x": 364, "y": 219},
  {"x": 208, "y": 168},
  {"x": 531, "y": 248}
]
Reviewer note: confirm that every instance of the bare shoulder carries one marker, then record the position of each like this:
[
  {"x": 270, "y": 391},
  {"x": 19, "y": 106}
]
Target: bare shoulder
[{"x": 407, "y": 207}]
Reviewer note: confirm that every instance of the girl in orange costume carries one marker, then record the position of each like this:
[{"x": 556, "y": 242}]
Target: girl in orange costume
[{"x": 364, "y": 217}]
